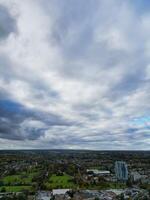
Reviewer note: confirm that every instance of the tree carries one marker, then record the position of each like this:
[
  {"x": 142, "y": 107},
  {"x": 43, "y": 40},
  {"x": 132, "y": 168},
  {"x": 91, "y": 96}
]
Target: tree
[
  {"x": 3, "y": 189},
  {"x": 129, "y": 183},
  {"x": 122, "y": 196},
  {"x": 1, "y": 183}
]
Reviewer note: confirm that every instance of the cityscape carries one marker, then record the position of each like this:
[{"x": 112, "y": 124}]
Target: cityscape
[
  {"x": 74, "y": 175},
  {"x": 74, "y": 99}
]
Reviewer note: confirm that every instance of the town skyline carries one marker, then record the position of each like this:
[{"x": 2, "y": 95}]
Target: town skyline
[{"x": 75, "y": 74}]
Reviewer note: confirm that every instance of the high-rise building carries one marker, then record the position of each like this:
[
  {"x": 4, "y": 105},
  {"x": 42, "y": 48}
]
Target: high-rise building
[{"x": 121, "y": 170}]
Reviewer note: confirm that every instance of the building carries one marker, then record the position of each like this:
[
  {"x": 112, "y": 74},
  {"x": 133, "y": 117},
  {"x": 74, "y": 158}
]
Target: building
[
  {"x": 98, "y": 172},
  {"x": 61, "y": 194},
  {"x": 135, "y": 176},
  {"x": 60, "y": 191},
  {"x": 121, "y": 170},
  {"x": 43, "y": 195}
]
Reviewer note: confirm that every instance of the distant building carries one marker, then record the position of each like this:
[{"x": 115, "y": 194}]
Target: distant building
[
  {"x": 61, "y": 194},
  {"x": 121, "y": 170},
  {"x": 135, "y": 176},
  {"x": 60, "y": 191},
  {"x": 43, "y": 195},
  {"x": 98, "y": 172}
]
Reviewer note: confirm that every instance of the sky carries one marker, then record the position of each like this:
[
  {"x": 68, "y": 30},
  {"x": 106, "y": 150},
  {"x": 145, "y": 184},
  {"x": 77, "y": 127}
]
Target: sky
[{"x": 75, "y": 74}]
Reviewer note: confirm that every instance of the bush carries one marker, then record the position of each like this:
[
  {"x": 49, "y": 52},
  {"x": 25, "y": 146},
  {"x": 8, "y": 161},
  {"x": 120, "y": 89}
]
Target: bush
[{"x": 3, "y": 189}]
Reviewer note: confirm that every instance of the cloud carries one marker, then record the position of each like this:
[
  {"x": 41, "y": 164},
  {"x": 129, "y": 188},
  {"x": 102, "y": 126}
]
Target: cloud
[
  {"x": 75, "y": 75},
  {"x": 20, "y": 123},
  {"x": 7, "y": 23}
]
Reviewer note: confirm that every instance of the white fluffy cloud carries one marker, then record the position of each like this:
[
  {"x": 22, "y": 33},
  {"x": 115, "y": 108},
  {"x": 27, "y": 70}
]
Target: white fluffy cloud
[{"x": 80, "y": 70}]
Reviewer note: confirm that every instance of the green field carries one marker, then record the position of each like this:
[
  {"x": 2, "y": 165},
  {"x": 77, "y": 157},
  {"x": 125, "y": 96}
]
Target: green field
[
  {"x": 64, "y": 181},
  {"x": 22, "y": 179},
  {"x": 117, "y": 185},
  {"x": 18, "y": 182},
  {"x": 16, "y": 188}
]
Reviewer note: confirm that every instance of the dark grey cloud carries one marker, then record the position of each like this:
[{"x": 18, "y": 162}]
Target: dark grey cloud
[
  {"x": 12, "y": 118},
  {"x": 7, "y": 23}
]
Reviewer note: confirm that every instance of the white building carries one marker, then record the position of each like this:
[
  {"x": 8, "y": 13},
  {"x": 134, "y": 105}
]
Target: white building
[
  {"x": 43, "y": 195},
  {"x": 135, "y": 176},
  {"x": 60, "y": 191},
  {"x": 98, "y": 172}
]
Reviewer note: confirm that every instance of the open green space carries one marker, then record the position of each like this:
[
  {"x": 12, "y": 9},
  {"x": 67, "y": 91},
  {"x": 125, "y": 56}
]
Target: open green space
[
  {"x": 105, "y": 185},
  {"x": 117, "y": 185},
  {"x": 15, "y": 188},
  {"x": 19, "y": 179},
  {"x": 64, "y": 181},
  {"x": 17, "y": 183}
]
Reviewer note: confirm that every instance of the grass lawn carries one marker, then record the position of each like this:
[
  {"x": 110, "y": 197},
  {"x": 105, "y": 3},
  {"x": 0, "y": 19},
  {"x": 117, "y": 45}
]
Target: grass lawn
[
  {"x": 117, "y": 185},
  {"x": 23, "y": 179},
  {"x": 64, "y": 181},
  {"x": 106, "y": 185},
  {"x": 16, "y": 188}
]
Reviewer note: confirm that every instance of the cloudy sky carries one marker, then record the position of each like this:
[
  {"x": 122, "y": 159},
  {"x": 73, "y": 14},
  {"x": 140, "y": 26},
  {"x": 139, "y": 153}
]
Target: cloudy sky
[{"x": 75, "y": 74}]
